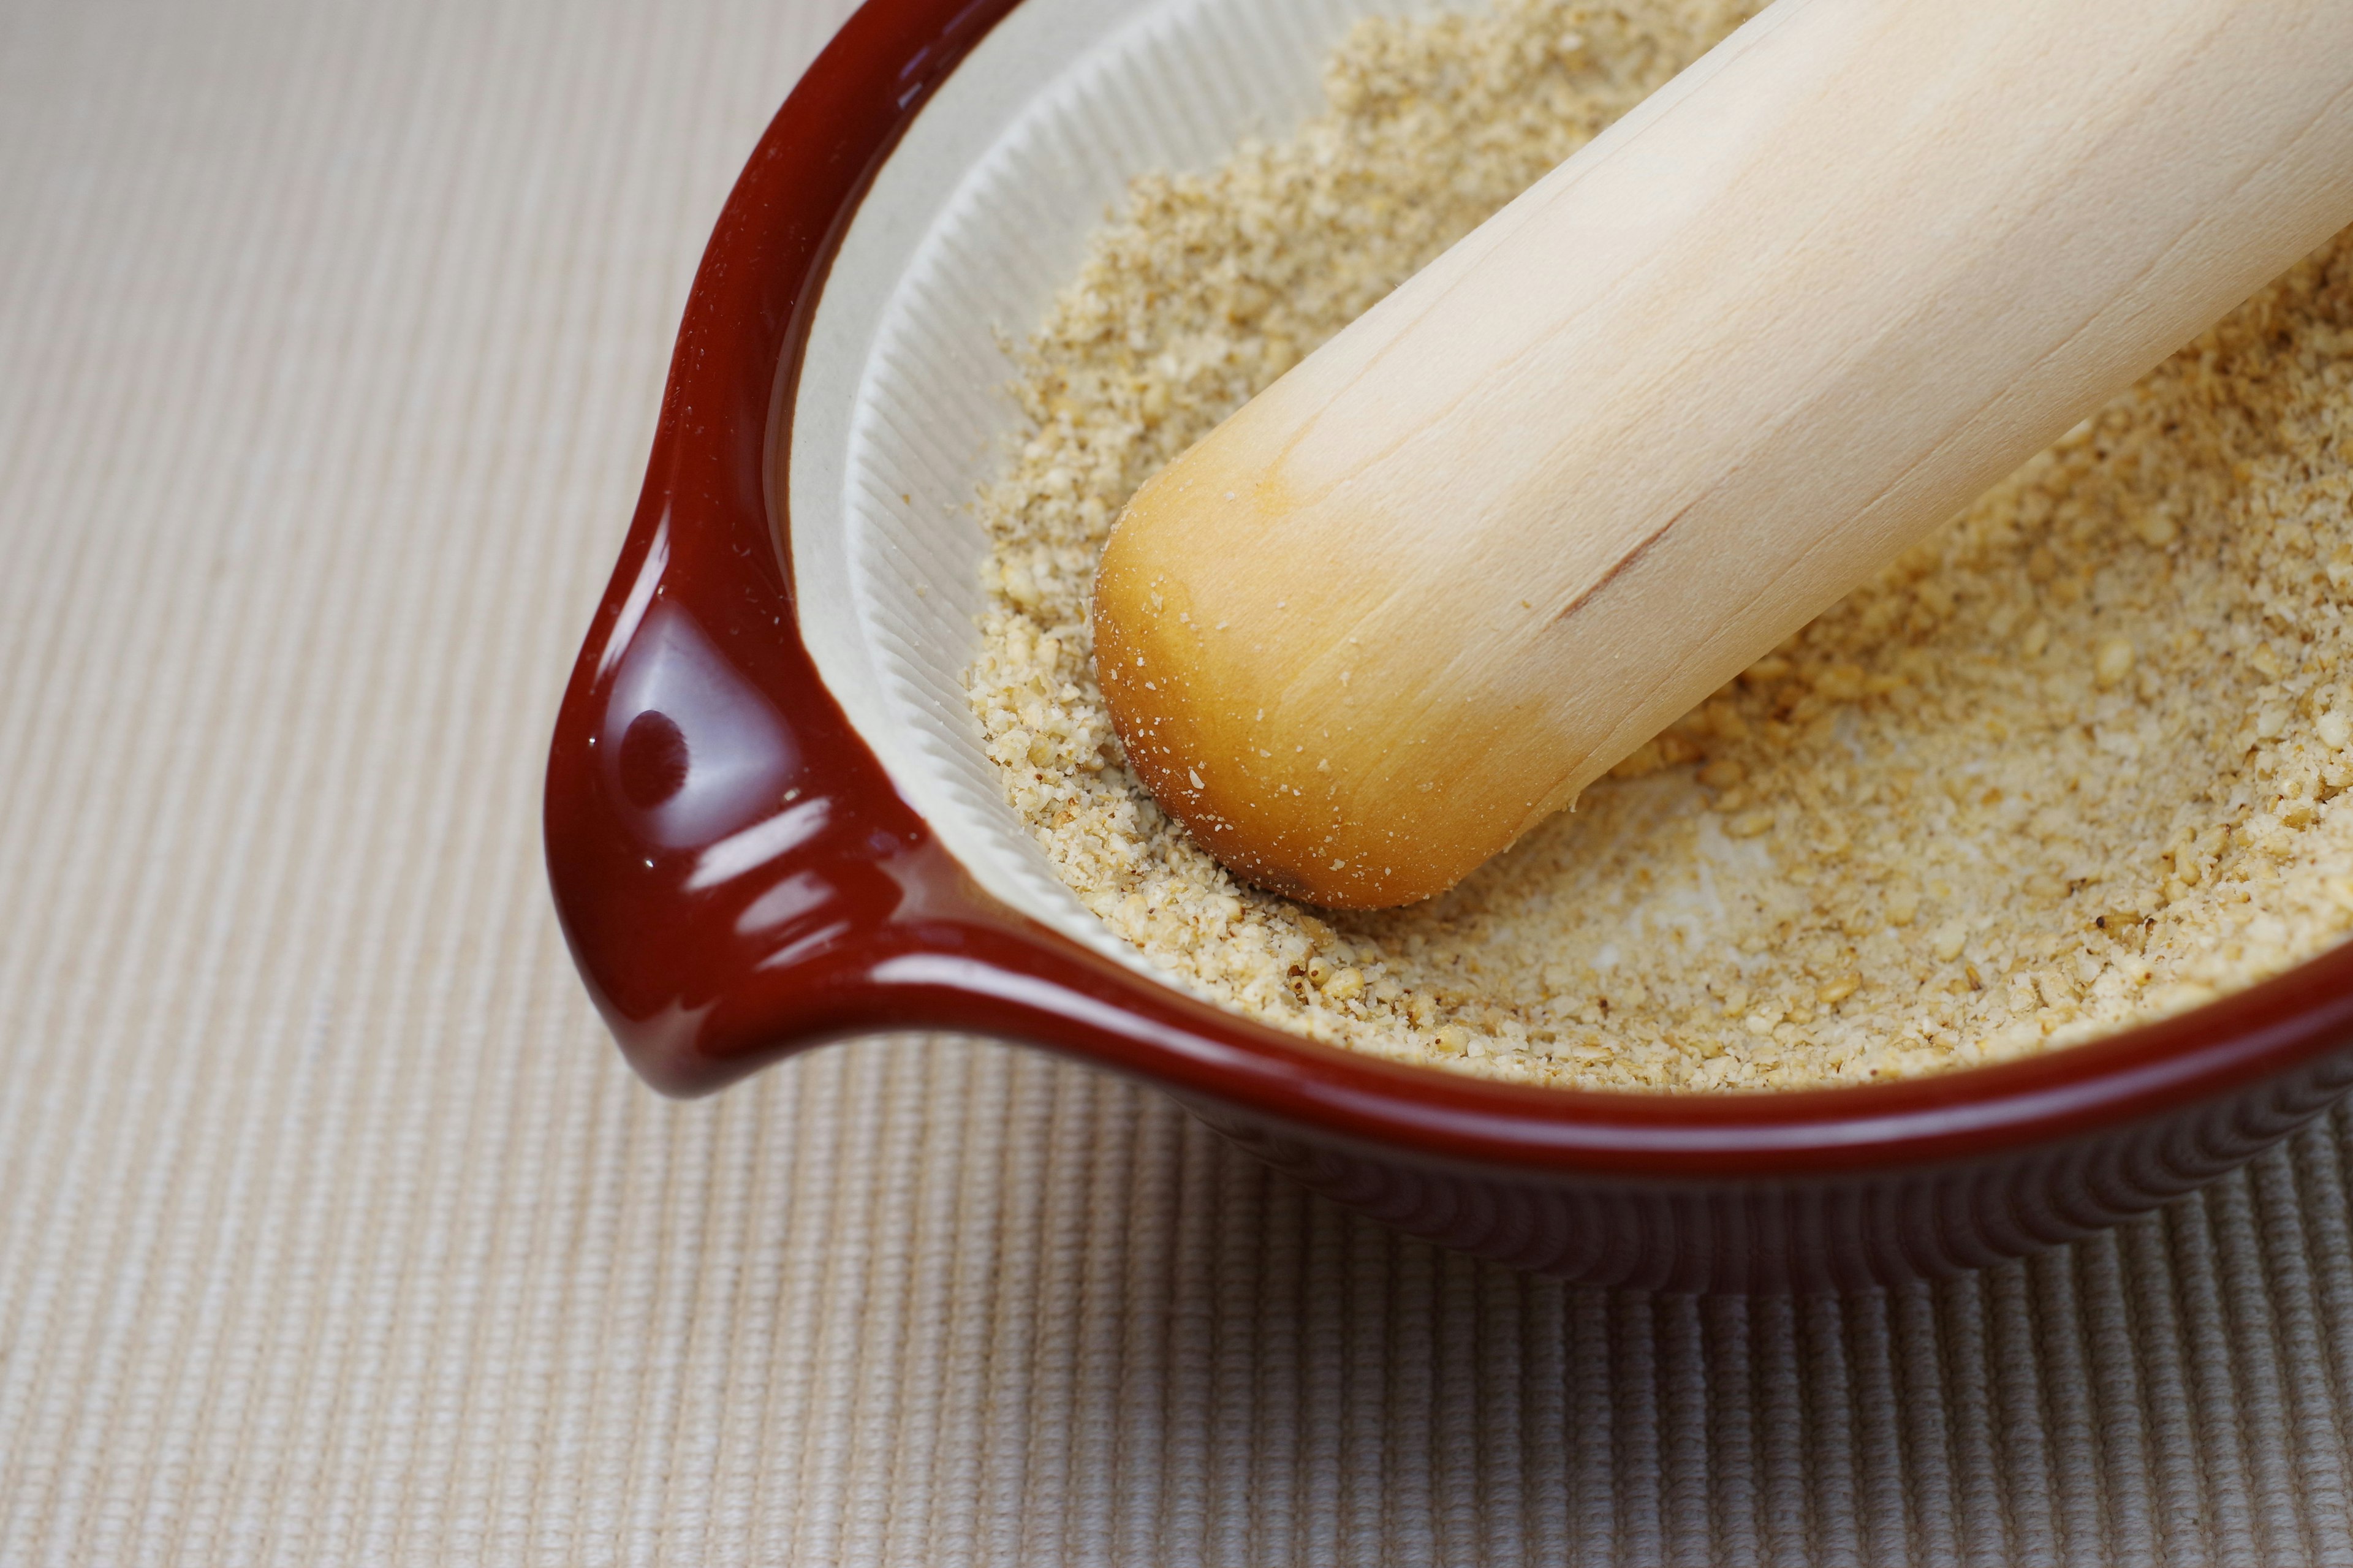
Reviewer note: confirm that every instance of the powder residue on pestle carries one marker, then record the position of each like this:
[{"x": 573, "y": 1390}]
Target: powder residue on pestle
[{"x": 2074, "y": 763}]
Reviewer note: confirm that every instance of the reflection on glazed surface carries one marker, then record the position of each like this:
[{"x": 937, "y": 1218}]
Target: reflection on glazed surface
[{"x": 691, "y": 751}]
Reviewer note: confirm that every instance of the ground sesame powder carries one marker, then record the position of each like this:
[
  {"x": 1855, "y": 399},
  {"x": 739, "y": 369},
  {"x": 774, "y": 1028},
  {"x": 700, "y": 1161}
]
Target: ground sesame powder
[{"x": 2075, "y": 762}]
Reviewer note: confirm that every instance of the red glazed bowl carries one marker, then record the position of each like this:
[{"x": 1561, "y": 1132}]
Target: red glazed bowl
[{"x": 741, "y": 875}]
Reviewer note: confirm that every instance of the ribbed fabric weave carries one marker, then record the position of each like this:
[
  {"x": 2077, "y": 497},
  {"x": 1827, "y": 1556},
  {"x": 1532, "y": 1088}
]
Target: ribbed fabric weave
[{"x": 332, "y": 1229}]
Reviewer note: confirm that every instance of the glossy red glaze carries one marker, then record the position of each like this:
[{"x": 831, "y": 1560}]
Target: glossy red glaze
[{"x": 738, "y": 881}]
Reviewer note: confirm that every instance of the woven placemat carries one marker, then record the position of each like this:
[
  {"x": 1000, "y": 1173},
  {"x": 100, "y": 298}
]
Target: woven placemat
[{"x": 332, "y": 1230}]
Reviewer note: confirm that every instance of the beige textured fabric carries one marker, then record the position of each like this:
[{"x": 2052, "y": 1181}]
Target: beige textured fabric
[{"x": 332, "y": 1231}]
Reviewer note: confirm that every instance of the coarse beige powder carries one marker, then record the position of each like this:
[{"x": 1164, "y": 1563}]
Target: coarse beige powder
[{"x": 2075, "y": 762}]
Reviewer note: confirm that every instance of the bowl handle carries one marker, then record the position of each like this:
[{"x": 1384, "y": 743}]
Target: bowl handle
[{"x": 727, "y": 857}]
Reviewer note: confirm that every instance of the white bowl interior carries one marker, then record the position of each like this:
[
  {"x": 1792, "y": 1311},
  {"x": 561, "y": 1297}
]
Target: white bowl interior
[{"x": 975, "y": 221}]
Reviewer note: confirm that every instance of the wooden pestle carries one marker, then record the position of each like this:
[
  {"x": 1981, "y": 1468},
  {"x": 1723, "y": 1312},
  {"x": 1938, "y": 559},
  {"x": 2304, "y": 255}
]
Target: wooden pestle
[{"x": 1794, "y": 311}]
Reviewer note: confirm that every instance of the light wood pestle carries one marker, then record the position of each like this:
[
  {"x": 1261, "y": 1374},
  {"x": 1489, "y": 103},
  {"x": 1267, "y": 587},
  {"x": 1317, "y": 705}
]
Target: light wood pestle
[{"x": 1716, "y": 369}]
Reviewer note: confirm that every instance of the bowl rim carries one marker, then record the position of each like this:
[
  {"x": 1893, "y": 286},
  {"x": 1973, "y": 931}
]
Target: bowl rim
[{"x": 885, "y": 932}]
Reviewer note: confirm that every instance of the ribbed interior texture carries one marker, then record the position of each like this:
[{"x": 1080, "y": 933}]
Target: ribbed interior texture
[
  {"x": 331, "y": 1228},
  {"x": 1149, "y": 85}
]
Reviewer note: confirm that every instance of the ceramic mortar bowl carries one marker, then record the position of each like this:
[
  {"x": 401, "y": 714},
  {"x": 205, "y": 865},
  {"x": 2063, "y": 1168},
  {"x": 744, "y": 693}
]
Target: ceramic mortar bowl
[{"x": 770, "y": 825}]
